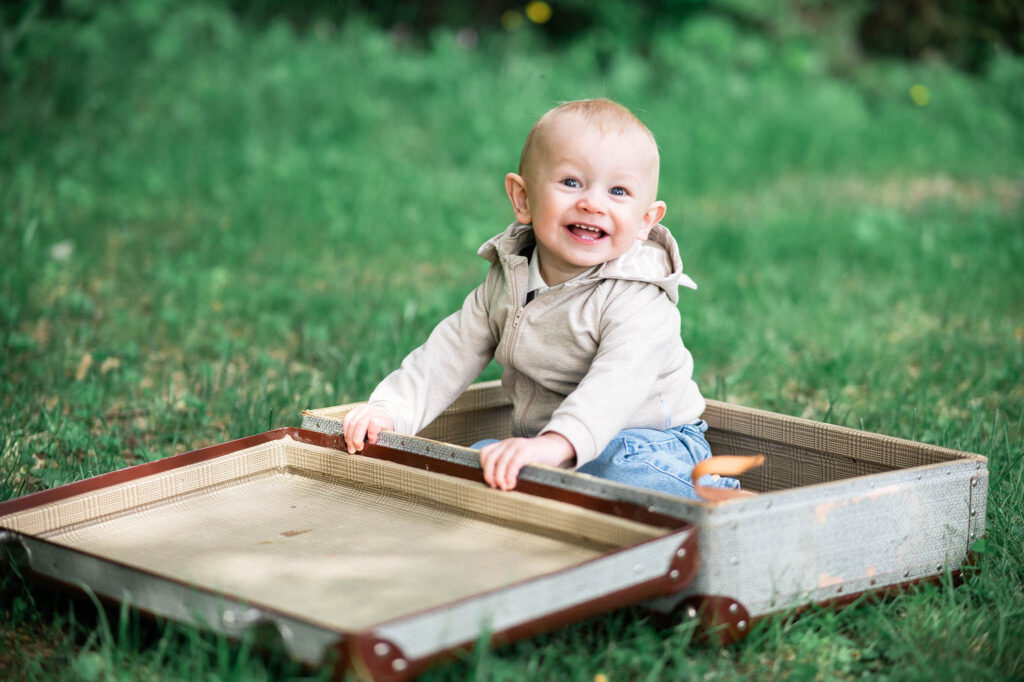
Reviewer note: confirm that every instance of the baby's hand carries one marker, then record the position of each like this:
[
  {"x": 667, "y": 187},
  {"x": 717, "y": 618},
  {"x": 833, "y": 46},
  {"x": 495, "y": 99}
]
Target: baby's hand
[
  {"x": 365, "y": 421},
  {"x": 502, "y": 461}
]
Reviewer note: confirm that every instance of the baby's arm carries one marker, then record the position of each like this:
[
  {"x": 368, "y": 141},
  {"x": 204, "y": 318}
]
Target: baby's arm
[
  {"x": 503, "y": 460},
  {"x": 432, "y": 376},
  {"x": 365, "y": 421}
]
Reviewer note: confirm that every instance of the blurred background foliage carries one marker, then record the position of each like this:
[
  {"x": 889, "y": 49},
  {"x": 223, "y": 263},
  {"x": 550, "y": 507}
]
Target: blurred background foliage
[
  {"x": 966, "y": 33},
  {"x": 206, "y": 180}
]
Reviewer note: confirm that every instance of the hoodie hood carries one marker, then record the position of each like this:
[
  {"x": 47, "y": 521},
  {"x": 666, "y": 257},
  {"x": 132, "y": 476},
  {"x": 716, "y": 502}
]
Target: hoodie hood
[{"x": 655, "y": 260}]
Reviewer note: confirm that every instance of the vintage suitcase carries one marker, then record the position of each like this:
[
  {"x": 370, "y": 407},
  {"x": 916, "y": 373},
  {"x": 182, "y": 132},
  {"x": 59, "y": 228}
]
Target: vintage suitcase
[{"x": 395, "y": 557}]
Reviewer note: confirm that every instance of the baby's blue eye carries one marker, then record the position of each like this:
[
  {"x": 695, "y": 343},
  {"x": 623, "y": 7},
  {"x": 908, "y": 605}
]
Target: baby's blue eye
[
  {"x": 571, "y": 182},
  {"x": 619, "y": 191}
]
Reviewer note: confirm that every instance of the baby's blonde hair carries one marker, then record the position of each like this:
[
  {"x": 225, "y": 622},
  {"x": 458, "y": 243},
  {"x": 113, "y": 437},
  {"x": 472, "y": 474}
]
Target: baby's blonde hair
[{"x": 604, "y": 113}]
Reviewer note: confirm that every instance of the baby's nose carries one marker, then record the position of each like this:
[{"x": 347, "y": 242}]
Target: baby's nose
[{"x": 590, "y": 203}]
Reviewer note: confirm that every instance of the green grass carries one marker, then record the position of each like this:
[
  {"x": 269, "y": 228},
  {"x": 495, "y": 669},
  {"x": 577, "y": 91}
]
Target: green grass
[{"x": 261, "y": 222}]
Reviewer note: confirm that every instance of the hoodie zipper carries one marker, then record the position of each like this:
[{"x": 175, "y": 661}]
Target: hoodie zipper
[
  {"x": 524, "y": 408},
  {"x": 510, "y": 350}
]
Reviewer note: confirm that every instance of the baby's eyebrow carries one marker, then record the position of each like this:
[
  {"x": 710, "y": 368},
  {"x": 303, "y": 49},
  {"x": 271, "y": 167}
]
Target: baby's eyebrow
[{"x": 626, "y": 180}]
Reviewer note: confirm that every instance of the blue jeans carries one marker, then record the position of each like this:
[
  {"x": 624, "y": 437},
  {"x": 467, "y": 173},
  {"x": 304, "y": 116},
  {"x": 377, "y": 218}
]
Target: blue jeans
[{"x": 652, "y": 459}]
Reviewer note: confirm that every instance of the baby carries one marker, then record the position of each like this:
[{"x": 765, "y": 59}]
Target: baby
[{"x": 579, "y": 308}]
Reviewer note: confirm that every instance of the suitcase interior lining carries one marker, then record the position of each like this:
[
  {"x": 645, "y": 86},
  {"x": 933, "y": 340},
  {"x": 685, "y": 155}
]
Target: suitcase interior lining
[{"x": 799, "y": 452}]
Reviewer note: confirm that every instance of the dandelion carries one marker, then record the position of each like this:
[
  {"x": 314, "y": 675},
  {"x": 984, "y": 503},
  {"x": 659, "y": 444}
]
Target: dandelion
[
  {"x": 920, "y": 95},
  {"x": 538, "y": 12}
]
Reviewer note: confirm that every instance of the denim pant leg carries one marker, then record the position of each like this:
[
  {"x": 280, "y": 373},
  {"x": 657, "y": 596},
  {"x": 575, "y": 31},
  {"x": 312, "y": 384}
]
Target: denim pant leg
[{"x": 657, "y": 460}]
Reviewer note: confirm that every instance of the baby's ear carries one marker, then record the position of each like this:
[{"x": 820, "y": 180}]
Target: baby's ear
[
  {"x": 515, "y": 187},
  {"x": 652, "y": 217}
]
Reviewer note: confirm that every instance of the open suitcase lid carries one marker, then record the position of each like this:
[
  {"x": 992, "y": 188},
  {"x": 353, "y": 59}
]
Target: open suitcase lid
[{"x": 390, "y": 558}]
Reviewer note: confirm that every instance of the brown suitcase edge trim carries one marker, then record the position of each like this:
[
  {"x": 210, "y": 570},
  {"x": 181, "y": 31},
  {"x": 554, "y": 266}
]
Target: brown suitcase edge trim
[{"x": 372, "y": 657}]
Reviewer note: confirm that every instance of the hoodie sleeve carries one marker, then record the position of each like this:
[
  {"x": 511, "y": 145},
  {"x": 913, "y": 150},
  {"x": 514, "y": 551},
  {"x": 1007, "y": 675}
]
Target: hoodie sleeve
[
  {"x": 432, "y": 376},
  {"x": 639, "y": 339}
]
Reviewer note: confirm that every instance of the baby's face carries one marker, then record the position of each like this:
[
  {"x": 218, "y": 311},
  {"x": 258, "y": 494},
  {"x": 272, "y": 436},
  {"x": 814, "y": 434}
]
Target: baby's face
[{"x": 590, "y": 195}]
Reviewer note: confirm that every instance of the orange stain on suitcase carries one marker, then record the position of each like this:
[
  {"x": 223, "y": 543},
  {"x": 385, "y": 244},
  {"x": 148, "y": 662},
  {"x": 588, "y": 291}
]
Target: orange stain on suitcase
[
  {"x": 821, "y": 511},
  {"x": 826, "y": 580},
  {"x": 293, "y": 533},
  {"x": 891, "y": 489}
]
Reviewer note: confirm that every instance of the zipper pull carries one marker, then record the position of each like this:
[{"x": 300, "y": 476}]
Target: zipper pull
[{"x": 518, "y": 316}]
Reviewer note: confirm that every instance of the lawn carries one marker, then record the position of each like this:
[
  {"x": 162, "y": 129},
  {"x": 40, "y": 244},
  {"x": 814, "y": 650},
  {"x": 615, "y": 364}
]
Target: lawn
[{"x": 208, "y": 226}]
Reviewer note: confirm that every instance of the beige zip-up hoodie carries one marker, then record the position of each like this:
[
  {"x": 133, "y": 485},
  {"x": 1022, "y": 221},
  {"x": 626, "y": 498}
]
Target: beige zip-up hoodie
[{"x": 586, "y": 359}]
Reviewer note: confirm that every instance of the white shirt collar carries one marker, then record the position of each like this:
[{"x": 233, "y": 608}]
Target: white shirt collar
[{"x": 536, "y": 283}]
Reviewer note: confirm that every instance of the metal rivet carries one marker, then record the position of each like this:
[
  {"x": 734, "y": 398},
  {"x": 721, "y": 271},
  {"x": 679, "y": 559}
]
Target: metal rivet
[
  {"x": 974, "y": 482},
  {"x": 381, "y": 649},
  {"x": 674, "y": 574},
  {"x": 939, "y": 568},
  {"x": 691, "y": 612},
  {"x": 651, "y": 509},
  {"x": 974, "y": 512},
  {"x": 638, "y": 568},
  {"x": 734, "y": 561},
  {"x": 399, "y": 664},
  {"x": 742, "y": 625},
  {"x": 734, "y": 607},
  {"x": 680, "y": 552},
  {"x": 906, "y": 574},
  {"x": 973, "y": 534},
  {"x": 768, "y": 504}
]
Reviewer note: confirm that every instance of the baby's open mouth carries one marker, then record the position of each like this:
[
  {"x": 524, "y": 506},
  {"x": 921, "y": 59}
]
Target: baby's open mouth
[{"x": 586, "y": 232}]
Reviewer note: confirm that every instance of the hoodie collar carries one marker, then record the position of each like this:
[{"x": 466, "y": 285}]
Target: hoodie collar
[{"x": 655, "y": 260}]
